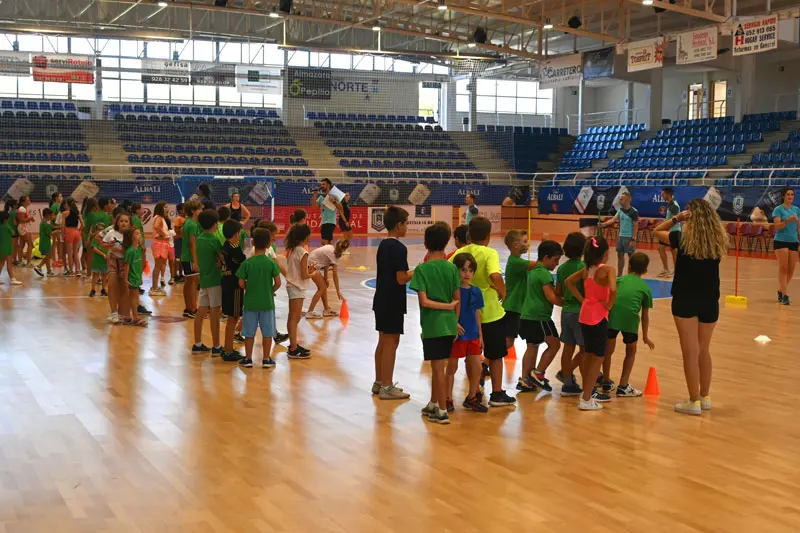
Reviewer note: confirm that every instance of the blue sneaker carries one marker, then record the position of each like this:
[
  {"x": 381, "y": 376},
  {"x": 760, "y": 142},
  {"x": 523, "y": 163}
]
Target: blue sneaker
[
  {"x": 600, "y": 397},
  {"x": 599, "y": 380},
  {"x": 780, "y": 297},
  {"x": 217, "y": 351},
  {"x": 542, "y": 382},
  {"x": 609, "y": 386},
  {"x": 526, "y": 384},
  {"x": 571, "y": 390},
  {"x": 560, "y": 376},
  {"x": 786, "y": 300}
]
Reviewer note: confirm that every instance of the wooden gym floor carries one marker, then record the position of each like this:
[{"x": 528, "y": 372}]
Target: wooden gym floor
[{"x": 119, "y": 429}]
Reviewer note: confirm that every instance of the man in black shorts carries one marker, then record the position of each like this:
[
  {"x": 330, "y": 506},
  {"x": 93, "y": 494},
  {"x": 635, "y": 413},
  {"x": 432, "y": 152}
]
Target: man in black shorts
[{"x": 328, "y": 214}]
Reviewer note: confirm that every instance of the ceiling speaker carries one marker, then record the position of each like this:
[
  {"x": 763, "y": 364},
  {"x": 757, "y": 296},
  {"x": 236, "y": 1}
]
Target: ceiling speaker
[
  {"x": 285, "y": 6},
  {"x": 661, "y": 9},
  {"x": 574, "y": 23},
  {"x": 221, "y": 3},
  {"x": 480, "y": 35}
]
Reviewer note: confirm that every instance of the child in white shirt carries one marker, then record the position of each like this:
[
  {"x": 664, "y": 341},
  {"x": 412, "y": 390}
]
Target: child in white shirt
[{"x": 319, "y": 261}]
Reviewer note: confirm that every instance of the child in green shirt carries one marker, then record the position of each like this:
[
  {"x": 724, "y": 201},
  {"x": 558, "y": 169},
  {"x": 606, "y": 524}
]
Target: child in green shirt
[
  {"x": 99, "y": 262},
  {"x": 189, "y": 234},
  {"x": 438, "y": 285},
  {"x": 259, "y": 277},
  {"x": 516, "y": 281},
  {"x": 208, "y": 251},
  {"x": 633, "y": 297},
  {"x": 7, "y": 247},
  {"x": 134, "y": 264},
  {"x": 571, "y": 335},
  {"x": 536, "y": 324},
  {"x": 46, "y": 230}
]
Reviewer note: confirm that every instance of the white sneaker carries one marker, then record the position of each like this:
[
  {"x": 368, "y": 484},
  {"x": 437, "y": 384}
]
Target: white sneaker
[
  {"x": 376, "y": 387},
  {"x": 14, "y": 281},
  {"x": 113, "y": 318},
  {"x": 689, "y": 407},
  {"x": 591, "y": 405},
  {"x": 705, "y": 403},
  {"x": 329, "y": 313},
  {"x": 628, "y": 392},
  {"x": 313, "y": 315},
  {"x": 663, "y": 274},
  {"x": 393, "y": 392}
]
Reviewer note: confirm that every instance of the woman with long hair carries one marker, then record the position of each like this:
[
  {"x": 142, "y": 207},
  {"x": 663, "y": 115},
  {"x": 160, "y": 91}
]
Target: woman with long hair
[
  {"x": 785, "y": 218},
  {"x": 118, "y": 292},
  {"x": 71, "y": 221},
  {"x": 160, "y": 246},
  {"x": 24, "y": 219},
  {"x": 239, "y": 211},
  {"x": 701, "y": 245},
  {"x": 91, "y": 215}
]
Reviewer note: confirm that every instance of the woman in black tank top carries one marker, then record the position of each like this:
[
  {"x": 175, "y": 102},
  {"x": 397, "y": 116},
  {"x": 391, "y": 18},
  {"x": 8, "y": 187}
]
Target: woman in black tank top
[{"x": 239, "y": 212}]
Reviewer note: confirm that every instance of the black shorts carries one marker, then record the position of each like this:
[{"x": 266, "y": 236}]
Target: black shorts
[
  {"x": 187, "y": 269},
  {"x": 494, "y": 339},
  {"x": 327, "y": 231},
  {"x": 536, "y": 331},
  {"x": 389, "y": 322},
  {"x": 437, "y": 348},
  {"x": 780, "y": 245},
  {"x": 512, "y": 324},
  {"x": 595, "y": 338},
  {"x": 343, "y": 225},
  {"x": 232, "y": 297},
  {"x": 707, "y": 312},
  {"x": 627, "y": 337}
]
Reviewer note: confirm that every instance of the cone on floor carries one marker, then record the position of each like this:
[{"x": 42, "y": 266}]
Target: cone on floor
[
  {"x": 146, "y": 268},
  {"x": 344, "y": 313},
  {"x": 651, "y": 388},
  {"x": 512, "y": 352}
]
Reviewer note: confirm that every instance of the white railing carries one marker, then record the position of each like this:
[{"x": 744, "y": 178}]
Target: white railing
[
  {"x": 602, "y": 118},
  {"x": 709, "y": 176},
  {"x": 502, "y": 119},
  {"x": 719, "y": 108}
]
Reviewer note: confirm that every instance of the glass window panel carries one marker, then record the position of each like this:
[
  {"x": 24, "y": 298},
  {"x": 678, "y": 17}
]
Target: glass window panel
[
  {"x": 155, "y": 50},
  {"x": 461, "y": 86},
  {"x": 298, "y": 58},
  {"x": 56, "y": 90},
  {"x": 81, "y": 91},
  {"x": 30, "y": 43},
  {"x": 136, "y": 48},
  {"x": 111, "y": 90},
  {"x": 340, "y": 61},
  {"x": 441, "y": 69},
  {"x": 229, "y": 96},
  {"x": 131, "y": 91},
  {"x": 230, "y": 53},
  {"x": 506, "y": 105},
  {"x": 185, "y": 50},
  {"x": 362, "y": 62},
  {"x": 50, "y": 43},
  {"x": 486, "y": 104},
  {"x": 253, "y": 53},
  {"x": 108, "y": 47},
  {"x": 203, "y": 50},
  {"x": 182, "y": 94},
  {"x": 204, "y": 94},
  {"x": 527, "y": 89},
  {"x": 157, "y": 93},
  {"x": 424, "y": 68},
  {"x": 9, "y": 88},
  {"x": 487, "y": 87},
  {"x": 403, "y": 66},
  {"x": 380, "y": 63},
  {"x": 63, "y": 45},
  {"x": 79, "y": 45},
  {"x": 544, "y": 107},
  {"x": 5, "y": 44},
  {"x": 252, "y": 100},
  {"x": 462, "y": 103},
  {"x": 506, "y": 88},
  {"x": 526, "y": 106},
  {"x": 273, "y": 100},
  {"x": 273, "y": 55},
  {"x": 131, "y": 64},
  {"x": 545, "y": 93},
  {"x": 318, "y": 59}
]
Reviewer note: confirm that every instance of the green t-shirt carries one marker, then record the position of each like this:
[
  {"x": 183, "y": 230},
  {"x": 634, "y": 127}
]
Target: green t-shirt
[
  {"x": 633, "y": 293},
  {"x": 5, "y": 240},
  {"x": 208, "y": 250},
  {"x": 12, "y": 221},
  {"x": 99, "y": 261},
  {"x": 516, "y": 276},
  {"x": 488, "y": 263},
  {"x": 439, "y": 279},
  {"x": 133, "y": 257},
  {"x": 537, "y": 306},
  {"x": 45, "y": 239},
  {"x": 55, "y": 207},
  {"x": 137, "y": 223},
  {"x": 571, "y": 305},
  {"x": 89, "y": 221},
  {"x": 190, "y": 229},
  {"x": 259, "y": 272},
  {"x": 222, "y": 239}
]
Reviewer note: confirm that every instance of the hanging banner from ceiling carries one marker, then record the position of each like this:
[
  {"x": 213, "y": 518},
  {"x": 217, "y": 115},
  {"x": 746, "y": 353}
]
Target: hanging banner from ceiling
[
  {"x": 562, "y": 71},
  {"x": 213, "y": 74},
  {"x": 697, "y": 46},
  {"x": 163, "y": 71},
  {"x": 646, "y": 55},
  {"x": 598, "y": 64},
  {"x": 311, "y": 83},
  {"x": 15, "y": 64},
  {"x": 60, "y": 68},
  {"x": 755, "y": 34},
  {"x": 258, "y": 79}
]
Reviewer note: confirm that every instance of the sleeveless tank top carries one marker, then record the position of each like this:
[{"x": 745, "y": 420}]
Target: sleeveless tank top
[
  {"x": 72, "y": 219},
  {"x": 593, "y": 309},
  {"x": 236, "y": 214}
]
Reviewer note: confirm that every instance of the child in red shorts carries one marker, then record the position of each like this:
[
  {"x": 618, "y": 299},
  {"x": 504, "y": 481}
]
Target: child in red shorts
[{"x": 469, "y": 343}]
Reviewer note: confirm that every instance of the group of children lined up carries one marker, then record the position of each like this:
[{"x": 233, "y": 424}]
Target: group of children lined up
[{"x": 467, "y": 307}]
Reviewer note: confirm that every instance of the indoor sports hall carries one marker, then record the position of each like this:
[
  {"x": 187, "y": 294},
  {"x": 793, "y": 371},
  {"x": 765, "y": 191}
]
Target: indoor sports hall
[{"x": 150, "y": 149}]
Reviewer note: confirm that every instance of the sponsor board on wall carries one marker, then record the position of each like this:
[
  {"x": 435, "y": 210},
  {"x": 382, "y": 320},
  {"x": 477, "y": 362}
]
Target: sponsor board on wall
[
  {"x": 419, "y": 217},
  {"x": 646, "y": 55},
  {"x": 259, "y": 80},
  {"x": 492, "y": 212},
  {"x": 15, "y": 64},
  {"x": 598, "y": 64},
  {"x": 696, "y": 46},
  {"x": 358, "y": 219},
  {"x": 561, "y": 72},
  {"x": 213, "y": 74},
  {"x": 60, "y": 68},
  {"x": 162, "y": 71},
  {"x": 309, "y": 83},
  {"x": 755, "y": 34}
]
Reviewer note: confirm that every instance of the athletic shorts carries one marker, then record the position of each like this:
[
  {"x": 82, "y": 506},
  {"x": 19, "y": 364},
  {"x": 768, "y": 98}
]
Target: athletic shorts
[
  {"x": 494, "y": 339},
  {"x": 188, "y": 271},
  {"x": 295, "y": 293},
  {"x": 327, "y": 231},
  {"x": 22, "y": 230},
  {"x": 626, "y": 245},
  {"x": 571, "y": 329},
  {"x": 437, "y": 348},
  {"x": 115, "y": 266},
  {"x": 210, "y": 297},
  {"x": 627, "y": 336},
  {"x": 100, "y": 270},
  {"x": 595, "y": 338},
  {"x": 512, "y": 324},
  {"x": 780, "y": 245},
  {"x": 72, "y": 235},
  {"x": 462, "y": 348},
  {"x": 253, "y": 320},
  {"x": 390, "y": 322},
  {"x": 160, "y": 249},
  {"x": 232, "y": 297},
  {"x": 706, "y": 312},
  {"x": 178, "y": 247},
  {"x": 536, "y": 331},
  {"x": 343, "y": 225}
]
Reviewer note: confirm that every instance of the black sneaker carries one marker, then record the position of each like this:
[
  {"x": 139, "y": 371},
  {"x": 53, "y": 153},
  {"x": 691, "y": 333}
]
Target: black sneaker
[
  {"x": 526, "y": 384},
  {"x": 599, "y": 380},
  {"x": 142, "y": 310},
  {"x": 786, "y": 300},
  {"x": 163, "y": 284},
  {"x": 200, "y": 348},
  {"x": 141, "y": 292},
  {"x": 92, "y": 293},
  {"x": 609, "y": 386},
  {"x": 485, "y": 372},
  {"x": 232, "y": 356},
  {"x": 474, "y": 404},
  {"x": 246, "y": 363},
  {"x": 600, "y": 397},
  {"x": 179, "y": 279},
  {"x": 103, "y": 292},
  {"x": 238, "y": 338},
  {"x": 269, "y": 362},
  {"x": 38, "y": 270},
  {"x": 501, "y": 399},
  {"x": 298, "y": 353},
  {"x": 440, "y": 417},
  {"x": 304, "y": 349},
  {"x": 280, "y": 338},
  {"x": 217, "y": 351},
  {"x": 780, "y": 297},
  {"x": 544, "y": 383},
  {"x": 188, "y": 314}
]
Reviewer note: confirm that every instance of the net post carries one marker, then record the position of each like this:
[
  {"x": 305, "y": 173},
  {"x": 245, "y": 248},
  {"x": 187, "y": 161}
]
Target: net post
[
  {"x": 529, "y": 231},
  {"x": 735, "y": 299}
]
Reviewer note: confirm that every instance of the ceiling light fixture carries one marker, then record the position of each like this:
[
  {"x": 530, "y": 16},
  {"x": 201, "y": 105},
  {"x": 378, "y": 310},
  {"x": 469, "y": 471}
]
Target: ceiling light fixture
[
  {"x": 647, "y": 2},
  {"x": 162, "y": 4},
  {"x": 274, "y": 15},
  {"x": 547, "y": 25},
  {"x": 471, "y": 44},
  {"x": 442, "y": 5},
  {"x": 376, "y": 28}
]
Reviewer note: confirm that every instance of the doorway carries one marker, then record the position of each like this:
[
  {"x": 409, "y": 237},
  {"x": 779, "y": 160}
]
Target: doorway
[
  {"x": 719, "y": 99},
  {"x": 695, "y": 101},
  {"x": 430, "y": 98}
]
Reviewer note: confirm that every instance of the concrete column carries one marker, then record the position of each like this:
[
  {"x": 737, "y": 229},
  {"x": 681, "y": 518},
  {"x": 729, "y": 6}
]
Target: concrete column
[
  {"x": 472, "y": 87},
  {"x": 581, "y": 105},
  {"x": 630, "y": 105},
  {"x": 744, "y": 78},
  {"x": 656, "y": 98}
]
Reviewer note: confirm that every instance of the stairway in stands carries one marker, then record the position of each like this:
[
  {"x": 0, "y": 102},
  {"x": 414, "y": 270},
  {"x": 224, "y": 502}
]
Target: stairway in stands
[
  {"x": 314, "y": 148},
  {"x": 106, "y": 149},
  {"x": 481, "y": 153}
]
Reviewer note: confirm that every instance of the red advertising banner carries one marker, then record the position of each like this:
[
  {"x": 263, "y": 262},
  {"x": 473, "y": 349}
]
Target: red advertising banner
[
  {"x": 358, "y": 219},
  {"x": 63, "y": 68}
]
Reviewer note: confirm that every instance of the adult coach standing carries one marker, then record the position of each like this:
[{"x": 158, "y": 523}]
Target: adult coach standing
[
  {"x": 628, "y": 225},
  {"x": 328, "y": 214},
  {"x": 472, "y": 209}
]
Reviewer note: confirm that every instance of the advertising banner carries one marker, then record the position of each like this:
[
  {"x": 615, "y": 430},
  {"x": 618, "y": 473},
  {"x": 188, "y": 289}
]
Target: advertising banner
[
  {"x": 310, "y": 83},
  {"x": 358, "y": 219},
  {"x": 561, "y": 72},
  {"x": 755, "y": 34},
  {"x": 419, "y": 217},
  {"x": 162, "y": 71},
  {"x": 646, "y": 55},
  {"x": 61, "y": 68},
  {"x": 213, "y": 74},
  {"x": 15, "y": 64},
  {"x": 492, "y": 212},
  {"x": 259, "y": 80},
  {"x": 697, "y": 46},
  {"x": 598, "y": 64}
]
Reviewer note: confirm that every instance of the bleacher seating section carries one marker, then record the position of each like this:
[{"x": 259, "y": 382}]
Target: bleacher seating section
[
  {"x": 128, "y": 109},
  {"x": 522, "y": 147},
  {"x": 361, "y": 117},
  {"x": 597, "y": 142},
  {"x": 782, "y": 154}
]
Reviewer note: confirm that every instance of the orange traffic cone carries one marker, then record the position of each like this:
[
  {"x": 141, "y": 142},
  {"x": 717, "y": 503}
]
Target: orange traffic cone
[
  {"x": 651, "y": 388},
  {"x": 344, "y": 313},
  {"x": 512, "y": 352},
  {"x": 146, "y": 267}
]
